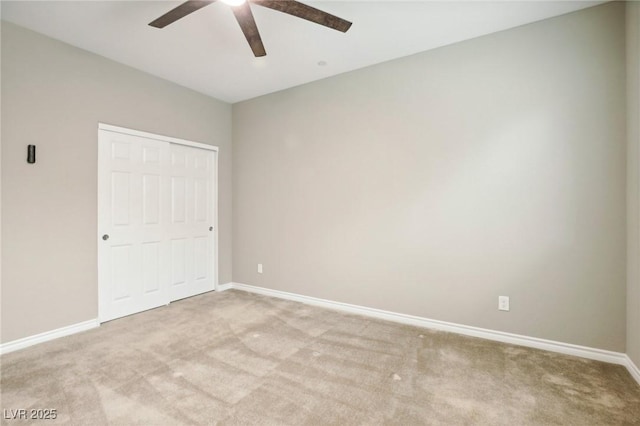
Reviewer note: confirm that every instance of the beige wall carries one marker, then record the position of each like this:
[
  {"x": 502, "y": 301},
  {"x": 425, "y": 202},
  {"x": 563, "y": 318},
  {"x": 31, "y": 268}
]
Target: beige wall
[
  {"x": 432, "y": 184},
  {"x": 493, "y": 166},
  {"x": 633, "y": 182},
  {"x": 53, "y": 96}
]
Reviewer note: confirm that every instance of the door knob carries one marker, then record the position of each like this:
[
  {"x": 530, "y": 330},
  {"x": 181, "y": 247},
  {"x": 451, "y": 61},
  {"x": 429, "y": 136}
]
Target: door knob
[
  {"x": 105, "y": 237},
  {"x": 211, "y": 228}
]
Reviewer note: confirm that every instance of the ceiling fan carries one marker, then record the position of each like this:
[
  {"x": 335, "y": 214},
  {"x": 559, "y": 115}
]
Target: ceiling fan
[{"x": 242, "y": 12}]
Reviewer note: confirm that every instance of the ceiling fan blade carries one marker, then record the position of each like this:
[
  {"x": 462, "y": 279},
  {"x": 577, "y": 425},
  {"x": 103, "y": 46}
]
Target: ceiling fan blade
[
  {"x": 179, "y": 12},
  {"x": 309, "y": 13},
  {"x": 249, "y": 28}
]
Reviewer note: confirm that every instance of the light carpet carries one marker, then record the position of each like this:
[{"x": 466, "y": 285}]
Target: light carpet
[{"x": 239, "y": 358}]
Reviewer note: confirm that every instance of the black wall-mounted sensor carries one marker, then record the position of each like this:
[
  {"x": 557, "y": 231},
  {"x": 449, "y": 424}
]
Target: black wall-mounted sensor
[{"x": 31, "y": 154}]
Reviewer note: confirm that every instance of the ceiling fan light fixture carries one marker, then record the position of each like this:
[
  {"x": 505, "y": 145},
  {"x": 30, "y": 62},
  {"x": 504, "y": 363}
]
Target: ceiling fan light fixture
[
  {"x": 234, "y": 2},
  {"x": 244, "y": 16}
]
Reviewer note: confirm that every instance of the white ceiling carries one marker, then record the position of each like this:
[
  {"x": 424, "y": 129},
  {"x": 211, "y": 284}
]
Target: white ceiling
[{"x": 207, "y": 52}]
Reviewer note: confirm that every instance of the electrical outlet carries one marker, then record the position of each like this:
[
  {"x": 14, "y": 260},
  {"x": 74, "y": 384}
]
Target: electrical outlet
[
  {"x": 503, "y": 303},
  {"x": 259, "y": 268}
]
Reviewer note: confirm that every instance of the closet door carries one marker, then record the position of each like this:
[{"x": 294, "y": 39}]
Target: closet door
[
  {"x": 156, "y": 218},
  {"x": 133, "y": 215},
  {"x": 191, "y": 232}
]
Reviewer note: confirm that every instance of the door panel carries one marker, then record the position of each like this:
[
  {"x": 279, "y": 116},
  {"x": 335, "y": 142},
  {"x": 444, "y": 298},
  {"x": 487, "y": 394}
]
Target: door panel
[
  {"x": 151, "y": 199},
  {"x": 201, "y": 200},
  {"x": 151, "y": 266},
  {"x": 178, "y": 199},
  {"x": 120, "y": 205},
  {"x": 192, "y": 217},
  {"x": 178, "y": 158},
  {"x": 178, "y": 262},
  {"x": 132, "y": 261},
  {"x": 120, "y": 150},
  {"x": 200, "y": 254},
  {"x": 123, "y": 273},
  {"x": 151, "y": 154}
]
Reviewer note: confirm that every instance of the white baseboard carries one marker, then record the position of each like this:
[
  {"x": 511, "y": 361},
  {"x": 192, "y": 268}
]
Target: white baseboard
[
  {"x": 633, "y": 369},
  {"x": 223, "y": 287},
  {"x": 499, "y": 336},
  {"x": 64, "y": 331},
  {"x": 48, "y": 335}
]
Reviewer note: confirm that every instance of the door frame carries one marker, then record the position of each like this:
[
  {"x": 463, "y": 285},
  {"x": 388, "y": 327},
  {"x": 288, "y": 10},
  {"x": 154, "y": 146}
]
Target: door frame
[{"x": 177, "y": 141}]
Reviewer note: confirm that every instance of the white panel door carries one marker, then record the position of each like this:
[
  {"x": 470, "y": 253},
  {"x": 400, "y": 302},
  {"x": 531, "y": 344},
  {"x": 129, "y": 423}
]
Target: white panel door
[
  {"x": 133, "y": 204},
  {"x": 156, "y": 218},
  {"x": 191, "y": 221}
]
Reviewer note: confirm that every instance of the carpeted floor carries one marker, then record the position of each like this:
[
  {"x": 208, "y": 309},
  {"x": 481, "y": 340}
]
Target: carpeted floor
[{"x": 239, "y": 358}]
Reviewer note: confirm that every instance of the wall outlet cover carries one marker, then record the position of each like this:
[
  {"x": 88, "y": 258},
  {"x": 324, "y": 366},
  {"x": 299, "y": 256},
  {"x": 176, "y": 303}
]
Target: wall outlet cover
[{"x": 503, "y": 303}]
